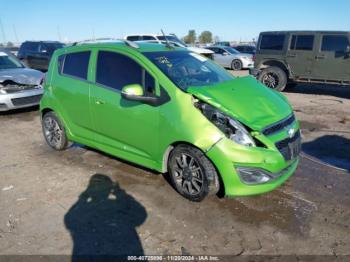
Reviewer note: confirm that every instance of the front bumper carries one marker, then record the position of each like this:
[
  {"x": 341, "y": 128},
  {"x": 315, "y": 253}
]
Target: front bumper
[
  {"x": 21, "y": 99},
  {"x": 226, "y": 156}
]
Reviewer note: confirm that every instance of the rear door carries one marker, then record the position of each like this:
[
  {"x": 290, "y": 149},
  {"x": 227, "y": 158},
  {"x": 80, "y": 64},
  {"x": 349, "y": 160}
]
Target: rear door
[
  {"x": 331, "y": 62},
  {"x": 300, "y": 55},
  {"x": 72, "y": 91},
  {"x": 126, "y": 127}
]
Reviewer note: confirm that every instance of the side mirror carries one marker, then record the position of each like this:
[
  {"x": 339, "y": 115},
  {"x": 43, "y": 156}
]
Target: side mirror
[
  {"x": 225, "y": 53},
  {"x": 134, "y": 92}
]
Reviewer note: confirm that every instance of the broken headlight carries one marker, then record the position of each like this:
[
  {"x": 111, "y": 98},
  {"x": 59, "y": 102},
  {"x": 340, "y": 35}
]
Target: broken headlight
[{"x": 232, "y": 128}]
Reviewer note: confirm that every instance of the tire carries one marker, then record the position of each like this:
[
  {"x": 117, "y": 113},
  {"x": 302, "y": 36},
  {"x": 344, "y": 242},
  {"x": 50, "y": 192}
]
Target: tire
[
  {"x": 54, "y": 132},
  {"x": 236, "y": 65},
  {"x": 192, "y": 174},
  {"x": 274, "y": 78}
]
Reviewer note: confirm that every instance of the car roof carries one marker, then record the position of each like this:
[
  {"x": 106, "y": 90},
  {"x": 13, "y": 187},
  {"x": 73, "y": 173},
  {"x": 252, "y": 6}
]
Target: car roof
[
  {"x": 139, "y": 46},
  {"x": 306, "y": 31}
]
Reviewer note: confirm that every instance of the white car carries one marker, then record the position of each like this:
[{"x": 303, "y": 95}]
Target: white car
[
  {"x": 173, "y": 39},
  {"x": 231, "y": 58},
  {"x": 19, "y": 86}
]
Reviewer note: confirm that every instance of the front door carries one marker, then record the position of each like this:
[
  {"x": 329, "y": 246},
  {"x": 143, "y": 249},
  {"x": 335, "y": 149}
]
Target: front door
[
  {"x": 300, "y": 55},
  {"x": 332, "y": 62},
  {"x": 126, "y": 128}
]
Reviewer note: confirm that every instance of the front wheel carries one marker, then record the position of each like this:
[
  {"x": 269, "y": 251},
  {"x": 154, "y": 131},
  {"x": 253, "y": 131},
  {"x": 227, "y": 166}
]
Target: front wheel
[
  {"x": 54, "y": 132},
  {"x": 236, "y": 65},
  {"x": 192, "y": 174},
  {"x": 273, "y": 77}
]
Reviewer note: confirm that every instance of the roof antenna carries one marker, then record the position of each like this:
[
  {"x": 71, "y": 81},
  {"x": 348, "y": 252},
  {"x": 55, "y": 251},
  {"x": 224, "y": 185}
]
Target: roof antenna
[{"x": 167, "y": 43}]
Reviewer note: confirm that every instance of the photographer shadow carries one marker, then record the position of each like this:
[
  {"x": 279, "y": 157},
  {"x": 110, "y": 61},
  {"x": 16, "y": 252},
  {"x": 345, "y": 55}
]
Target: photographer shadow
[{"x": 103, "y": 221}]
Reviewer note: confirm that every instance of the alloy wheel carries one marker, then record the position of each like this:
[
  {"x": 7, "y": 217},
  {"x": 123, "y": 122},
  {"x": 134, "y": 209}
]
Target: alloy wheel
[
  {"x": 188, "y": 174},
  {"x": 53, "y": 132}
]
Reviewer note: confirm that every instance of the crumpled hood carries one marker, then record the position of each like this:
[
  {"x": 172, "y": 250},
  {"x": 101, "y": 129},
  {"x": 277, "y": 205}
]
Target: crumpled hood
[
  {"x": 25, "y": 76},
  {"x": 247, "y": 100}
]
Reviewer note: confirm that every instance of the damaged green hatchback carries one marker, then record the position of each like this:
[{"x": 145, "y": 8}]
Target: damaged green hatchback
[{"x": 174, "y": 111}]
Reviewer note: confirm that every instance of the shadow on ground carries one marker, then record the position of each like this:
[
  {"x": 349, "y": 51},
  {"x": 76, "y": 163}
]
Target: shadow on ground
[
  {"x": 103, "y": 221},
  {"x": 320, "y": 89},
  {"x": 332, "y": 149}
]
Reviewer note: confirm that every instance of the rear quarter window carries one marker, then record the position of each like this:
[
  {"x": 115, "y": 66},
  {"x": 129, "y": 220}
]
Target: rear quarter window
[
  {"x": 272, "y": 42},
  {"x": 75, "y": 64},
  {"x": 334, "y": 43}
]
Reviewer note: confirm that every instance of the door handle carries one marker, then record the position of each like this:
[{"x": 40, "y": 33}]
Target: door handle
[
  {"x": 99, "y": 102},
  {"x": 292, "y": 55},
  {"x": 320, "y": 57}
]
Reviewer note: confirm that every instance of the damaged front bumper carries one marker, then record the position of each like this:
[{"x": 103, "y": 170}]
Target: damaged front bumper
[
  {"x": 240, "y": 168},
  {"x": 21, "y": 99}
]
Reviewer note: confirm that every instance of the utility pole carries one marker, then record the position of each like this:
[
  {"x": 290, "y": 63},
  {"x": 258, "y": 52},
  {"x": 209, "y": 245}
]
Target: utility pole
[
  {"x": 59, "y": 34},
  {"x": 15, "y": 33},
  {"x": 3, "y": 32}
]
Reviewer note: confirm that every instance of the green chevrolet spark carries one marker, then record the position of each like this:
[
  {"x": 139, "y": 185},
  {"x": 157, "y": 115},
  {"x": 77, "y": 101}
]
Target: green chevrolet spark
[{"x": 172, "y": 111}]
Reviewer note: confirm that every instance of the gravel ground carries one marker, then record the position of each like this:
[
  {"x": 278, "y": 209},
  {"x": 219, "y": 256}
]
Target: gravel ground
[{"x": 81, "y": 201}]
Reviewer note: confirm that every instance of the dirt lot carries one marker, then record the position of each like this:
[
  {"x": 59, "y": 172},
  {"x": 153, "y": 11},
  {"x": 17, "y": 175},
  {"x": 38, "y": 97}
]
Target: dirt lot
[{"x": 84, "y": 202}]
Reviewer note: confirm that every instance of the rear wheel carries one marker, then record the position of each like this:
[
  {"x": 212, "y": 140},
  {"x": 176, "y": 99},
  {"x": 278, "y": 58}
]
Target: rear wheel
[
  {"x": 192, "y": 174},
  {"x": 54, "y": 132},
  {"x": 236, "y": 65},
  {"x": 274, "y": 77}
]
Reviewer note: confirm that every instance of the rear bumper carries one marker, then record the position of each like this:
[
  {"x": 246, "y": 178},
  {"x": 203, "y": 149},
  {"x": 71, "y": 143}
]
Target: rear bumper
[{"x": 20, "y": 99}]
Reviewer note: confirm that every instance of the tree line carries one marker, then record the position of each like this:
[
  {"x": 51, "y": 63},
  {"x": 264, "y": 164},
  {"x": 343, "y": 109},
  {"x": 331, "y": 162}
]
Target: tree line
[{"x": 204, "y": 38}]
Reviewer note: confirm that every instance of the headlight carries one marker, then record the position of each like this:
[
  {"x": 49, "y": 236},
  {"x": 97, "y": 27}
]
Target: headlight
[
  {"x": 2, "y": 92},
  {"x": 233, "y": 129}
]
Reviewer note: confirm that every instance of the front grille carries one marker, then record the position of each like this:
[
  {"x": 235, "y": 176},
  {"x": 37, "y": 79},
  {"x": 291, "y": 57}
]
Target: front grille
[
  {"x": 274, "y": 128},
  {"x": 26, "y": 100},
  {"x": 290, "y": 147}
]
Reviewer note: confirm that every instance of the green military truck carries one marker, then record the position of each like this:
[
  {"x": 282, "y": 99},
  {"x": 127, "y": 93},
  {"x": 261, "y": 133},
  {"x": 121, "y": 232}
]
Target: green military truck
[{"x": 284, "y": 58}]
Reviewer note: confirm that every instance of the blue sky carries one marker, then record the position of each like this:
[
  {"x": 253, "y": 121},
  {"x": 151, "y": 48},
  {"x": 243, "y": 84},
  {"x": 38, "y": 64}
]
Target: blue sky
[{"x": 229, "y": 19}]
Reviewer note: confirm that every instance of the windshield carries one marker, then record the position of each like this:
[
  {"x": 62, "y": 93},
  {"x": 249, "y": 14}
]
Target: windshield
[
  {"x": 8, "y": 62},
  {"x": 231, "y": 50},
  {"x": 171, "y": 38},
  {"x": 187, "y": 69}
]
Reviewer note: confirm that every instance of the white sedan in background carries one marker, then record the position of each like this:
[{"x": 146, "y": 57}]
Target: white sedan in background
[{"x": 230, "y": 58}]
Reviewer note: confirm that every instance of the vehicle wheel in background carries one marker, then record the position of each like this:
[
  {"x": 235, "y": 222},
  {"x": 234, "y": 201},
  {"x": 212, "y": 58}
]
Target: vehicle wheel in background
[
  {"x": 273, "y": 77},
  {"x": 54, "y": 132},
  {"x": 191, "y": 173},
  {"x": 236, "y": 65}
]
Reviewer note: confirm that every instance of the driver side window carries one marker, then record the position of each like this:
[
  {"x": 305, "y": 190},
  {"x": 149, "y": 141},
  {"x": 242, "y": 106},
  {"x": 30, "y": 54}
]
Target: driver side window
[{"x": 115, "y": 71}]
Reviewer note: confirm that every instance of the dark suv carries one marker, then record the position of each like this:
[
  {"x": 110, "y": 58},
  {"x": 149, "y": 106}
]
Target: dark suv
[
  {"x": 37, "y": 54},
  {"x": 288, "y": 57}
]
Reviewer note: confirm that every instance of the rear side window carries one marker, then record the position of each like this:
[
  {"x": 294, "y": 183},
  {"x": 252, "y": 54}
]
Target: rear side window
[
  {"x": 148, "y": 37},
  {"x": 133, "y": 38},
  {"x": 76, "y": 64},
  {"x": 272, "y": 42},
  {"x": 116, "y": 71},
  {"x": 302, "y": 42},
  {"x": 334, "y": 43},
  {"x": 31, "y": 46}
]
